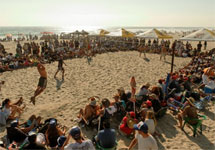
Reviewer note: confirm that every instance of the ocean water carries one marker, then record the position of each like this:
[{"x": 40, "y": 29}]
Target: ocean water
[{"x": 15, "y": 31}]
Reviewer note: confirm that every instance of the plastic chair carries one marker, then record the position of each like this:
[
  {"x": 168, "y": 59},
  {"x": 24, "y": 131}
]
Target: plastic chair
[{"x": 195, "y": 126}]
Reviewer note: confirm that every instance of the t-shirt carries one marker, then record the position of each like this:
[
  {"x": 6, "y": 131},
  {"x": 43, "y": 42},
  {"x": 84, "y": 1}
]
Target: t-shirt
[
  {"x": 148, "y": 143},
  {"x": 7, "y": 112},
  {"x": 151, "y": 125},
  {"x": 86, "y": 145},
  {"x": 107, "y": 138}
]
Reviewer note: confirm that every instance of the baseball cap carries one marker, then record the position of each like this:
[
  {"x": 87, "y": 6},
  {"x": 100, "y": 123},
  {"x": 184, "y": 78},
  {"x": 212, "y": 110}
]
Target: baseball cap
[
  {"x": 53, "y": 122},
  {"x": 14, "y": 123},
  {"x": 61, "y": 140},
  {"x": 149, "y": 103},
  {"x": 132, "y": 114},
  {"x": 141, "y": 126},
  {"x": 75, "y": 132}
]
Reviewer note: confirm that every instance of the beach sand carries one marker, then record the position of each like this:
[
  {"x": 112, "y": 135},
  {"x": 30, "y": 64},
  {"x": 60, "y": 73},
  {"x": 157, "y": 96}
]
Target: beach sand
[{"x": 102, "y": 77}]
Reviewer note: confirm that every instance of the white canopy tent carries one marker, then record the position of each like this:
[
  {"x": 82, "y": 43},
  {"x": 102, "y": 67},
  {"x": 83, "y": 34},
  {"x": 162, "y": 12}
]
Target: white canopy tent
[
  {"x": 154, "y": 34},
  {"x": 200, "y": 35}
]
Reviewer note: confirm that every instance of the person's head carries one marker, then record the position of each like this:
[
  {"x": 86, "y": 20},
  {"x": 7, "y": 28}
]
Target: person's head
[
  {"x": 14, "y": 123},
  {"x": 60, "y": 141},
  {"x": 116, "y": 98},
  {"x": 150, "y": 115},
  {"x": 106, "y": 124},
  {"x": 161, "y": 81},
  {"x": 131, "y": 114},
  {"x": 92, "y": 102},
  {"x": 105, "y": 103},
  {"x": 153, "y": 96},
  {"x": 6, "y": 103},
  {"x": 75, "y": 132},
  {"x": 141, "y": 127},
  {"x": 191, "y": 101},
  {"x": 148, "y": 104}
]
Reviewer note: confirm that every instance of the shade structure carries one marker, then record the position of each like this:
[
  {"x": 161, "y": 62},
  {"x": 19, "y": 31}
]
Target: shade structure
[
  {"x": 84, "y": 32},
  {"x": 46, "y": 33},
  {"x": 200, "y": 35},
  {"x": 8, "y": 35},
  {"x": 154, "y": 34},
  {"x": 122, "y": 33},
  {"x": 103, "y": 32}
]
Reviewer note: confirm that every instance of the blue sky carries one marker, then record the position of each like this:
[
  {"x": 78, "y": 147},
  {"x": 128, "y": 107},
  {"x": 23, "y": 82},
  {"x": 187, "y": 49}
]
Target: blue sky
[{"x": 170, "y": 13}]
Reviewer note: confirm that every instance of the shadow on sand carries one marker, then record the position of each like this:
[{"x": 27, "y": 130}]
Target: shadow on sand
[
  {"x": 201, "y": 141},
  {"x": 168, "y": 63},
  {"x": 146, "y": 59},
  {"x": 59, "y": 83}
]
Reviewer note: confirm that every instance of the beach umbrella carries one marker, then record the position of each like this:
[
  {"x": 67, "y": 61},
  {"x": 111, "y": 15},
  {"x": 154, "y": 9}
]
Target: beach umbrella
[
  {"x": 154, "y": 34},
  {"x": 46, "y": 33},
  {"x": 103, "y": 32},
  {"x": 84, "y": 32},
  {"x": 200, "y": 35},
  {"x": 8, "y": 35},
  {"x": 122, "y": 33}
]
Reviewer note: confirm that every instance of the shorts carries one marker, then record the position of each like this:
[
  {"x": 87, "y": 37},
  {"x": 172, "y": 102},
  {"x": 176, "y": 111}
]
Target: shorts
[
  {"x": 42, "y": 82},
  {"x": 208, "y": 90}
]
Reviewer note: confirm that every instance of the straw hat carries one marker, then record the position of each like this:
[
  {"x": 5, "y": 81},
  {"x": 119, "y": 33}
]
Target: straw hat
[{"x": 191, "y": 101}]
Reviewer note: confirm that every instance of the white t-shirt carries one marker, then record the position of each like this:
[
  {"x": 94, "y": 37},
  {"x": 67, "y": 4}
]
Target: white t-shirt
[
  {"x": 151, "y": 125},
  {"x": 7, "y": 112},
  {"x": 148, "y": 143},
  {"x": 210, "y": 84},
  {"x": 86, "y": 145},
  {"x": 205, "y": 79}
]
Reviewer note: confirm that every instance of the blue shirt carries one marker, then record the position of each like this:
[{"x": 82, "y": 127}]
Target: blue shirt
[{"x": 107, "y": 138}]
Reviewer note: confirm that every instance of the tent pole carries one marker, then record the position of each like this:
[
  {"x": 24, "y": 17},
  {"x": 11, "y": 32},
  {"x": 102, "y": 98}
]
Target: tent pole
[{"x": 173, "y": 56}]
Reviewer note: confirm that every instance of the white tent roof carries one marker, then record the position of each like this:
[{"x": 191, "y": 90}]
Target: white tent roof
[
  {"x": 200, "y": 35},
  {"x": 154, "y": 34}
]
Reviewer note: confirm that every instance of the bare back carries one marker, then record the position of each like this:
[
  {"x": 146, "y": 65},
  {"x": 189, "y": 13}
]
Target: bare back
[{"x": 42, "y": 70}]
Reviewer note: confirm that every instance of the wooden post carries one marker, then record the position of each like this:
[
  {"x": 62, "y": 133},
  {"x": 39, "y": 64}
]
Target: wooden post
[{"x": 173, "y": 56}]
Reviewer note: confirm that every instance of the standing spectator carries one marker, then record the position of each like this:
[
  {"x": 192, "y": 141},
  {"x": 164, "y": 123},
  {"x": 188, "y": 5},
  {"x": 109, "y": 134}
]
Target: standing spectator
[
  {"x": 144, "y": 140},
  {"x": 199, "y": 46},
  {"x": 205, "y": 45}
]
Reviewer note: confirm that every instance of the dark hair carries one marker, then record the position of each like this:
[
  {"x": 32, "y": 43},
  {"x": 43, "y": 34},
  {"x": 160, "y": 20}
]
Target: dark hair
[
  {"x": 32, "y": 138},
  {"x": 106, "y": 124},
  {"x": 5, "y": 102}
]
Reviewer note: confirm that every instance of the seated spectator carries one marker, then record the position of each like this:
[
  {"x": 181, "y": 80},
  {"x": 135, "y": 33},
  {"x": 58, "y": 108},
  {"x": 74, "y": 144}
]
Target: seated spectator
[
  {"x": 155, "y": 102},
  {"x": 18, "y": 133},
  {"x": 189, "y": 111},
  {"x": 10, "y": 110},
  {"x": 210, "y": 86},
  {"x": 80, "y": 143},
  {"x": 32, "y": 143},
  {"x": 151, "y": 122},
  {"x": 146, "y": 106},
  {"x": 102, "y": 140},
  {"x": 126, "y": 126},
  {"x": 143, "y": 91},
  {"x": 60, "y": 142},
  {"x": 53, "y": 133},
  {"x": 90, "y": 112}
]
